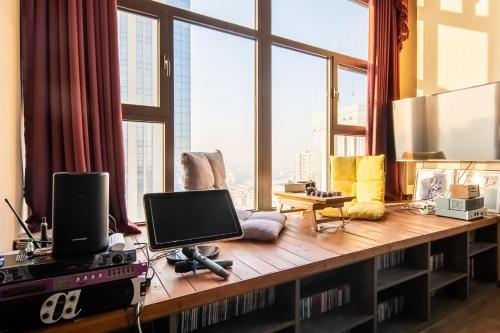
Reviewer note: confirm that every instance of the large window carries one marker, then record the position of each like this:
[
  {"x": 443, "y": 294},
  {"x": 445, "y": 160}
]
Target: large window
[
  {"x": 214, "y": 103},
  {"x": 276, "y": 85},
  {"x": 143, "y": 141},
  {"x": 299, "y": 117}
]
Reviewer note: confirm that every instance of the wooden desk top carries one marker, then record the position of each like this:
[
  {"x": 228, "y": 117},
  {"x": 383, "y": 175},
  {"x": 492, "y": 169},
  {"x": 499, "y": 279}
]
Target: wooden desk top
[
  {"x": 304, "y": 197},
  {"x": 297, "y": 253}
]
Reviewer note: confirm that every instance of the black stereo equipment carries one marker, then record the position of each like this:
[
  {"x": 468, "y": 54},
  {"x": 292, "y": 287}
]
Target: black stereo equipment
[
  {"x": 50, "y": 308},
  {"x": 80, "y": 206},
  {"x": 47, "y": 267},
  {"x": 70, "y": 281}
]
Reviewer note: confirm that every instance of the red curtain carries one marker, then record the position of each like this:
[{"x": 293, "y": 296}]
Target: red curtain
[
  {"x": 388, "y": 30},
  {"x": 71, "y": 94}
]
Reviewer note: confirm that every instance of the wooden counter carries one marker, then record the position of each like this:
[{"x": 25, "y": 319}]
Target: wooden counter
[{"x": 299, "y": 252}]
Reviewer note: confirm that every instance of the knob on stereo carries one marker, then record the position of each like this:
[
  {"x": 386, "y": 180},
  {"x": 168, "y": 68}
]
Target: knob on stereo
[{"x": 117, "y": 259}]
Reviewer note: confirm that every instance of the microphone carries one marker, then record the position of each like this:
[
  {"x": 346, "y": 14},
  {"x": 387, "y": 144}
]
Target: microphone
[
  {"x": 189, "y": 265},
  {"x": 193, "y": 253}
]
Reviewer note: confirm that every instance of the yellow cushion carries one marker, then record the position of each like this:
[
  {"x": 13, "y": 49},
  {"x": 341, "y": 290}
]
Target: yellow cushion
[
  {"x": 370, "y": 168},
  {"x": 347, "y": 187},
  {"x": 370, "y": 182},
  {"x": 370, "y": 191},
  {"x": 334, "y": 212},
  {"x": 343, "y": 173},
  {"x": 363, "y": 177},
  {"x": 373, "y": 210}
]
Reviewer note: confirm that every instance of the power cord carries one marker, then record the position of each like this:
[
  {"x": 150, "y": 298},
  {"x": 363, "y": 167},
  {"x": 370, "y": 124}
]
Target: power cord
[
  {"x": 114, "y": 221},
  {"x": 150, "y": 274}
]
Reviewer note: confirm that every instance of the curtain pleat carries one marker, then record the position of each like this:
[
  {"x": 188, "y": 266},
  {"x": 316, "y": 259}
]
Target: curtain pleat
[
  {"x": 71, "y": 93},
  {"x": 388, "y": 30}
]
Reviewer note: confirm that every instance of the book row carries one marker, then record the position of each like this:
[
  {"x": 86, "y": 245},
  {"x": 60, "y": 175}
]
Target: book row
[
  {"x": 436, "y": 261},
  {"x": 390, "y": 308},
  {"x": 325, "y": 301},
  {"x": 390, "y": 259},
  {"x": 219, "y": 311}
]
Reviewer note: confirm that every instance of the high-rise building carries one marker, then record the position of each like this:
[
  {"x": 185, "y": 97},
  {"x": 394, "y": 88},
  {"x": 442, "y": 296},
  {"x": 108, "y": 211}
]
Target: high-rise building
[
  {"x": 143, "y": 142},
  {"x": 353, "y": 114},
  {"x": 182, "y": 93},
  {"x": 303, "y": 166},
  {"x": 318, "y": 149}
]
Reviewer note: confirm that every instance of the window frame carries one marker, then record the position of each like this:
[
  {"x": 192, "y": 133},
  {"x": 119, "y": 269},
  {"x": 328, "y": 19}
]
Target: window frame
[{"x": 164, "y": 113}]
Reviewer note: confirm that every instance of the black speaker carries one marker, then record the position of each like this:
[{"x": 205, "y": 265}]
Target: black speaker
[{"x": 80, "y": 206}]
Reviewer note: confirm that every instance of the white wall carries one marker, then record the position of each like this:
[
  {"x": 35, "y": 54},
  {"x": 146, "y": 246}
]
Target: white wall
[
  {"x": 458, "y": 44},
  {"x": 10, "y": 151}
]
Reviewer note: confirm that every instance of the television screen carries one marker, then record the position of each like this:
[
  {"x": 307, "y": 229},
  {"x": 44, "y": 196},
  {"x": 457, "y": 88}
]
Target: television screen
[
  {"x": 179, "y": 219},
  {"x": 461, "y": 125}
]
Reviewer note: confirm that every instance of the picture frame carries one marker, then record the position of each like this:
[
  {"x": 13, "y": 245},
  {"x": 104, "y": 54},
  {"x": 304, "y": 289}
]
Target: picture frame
[
  {"x": 489, "y": 186},
  {"x": 431, "y": 183}
]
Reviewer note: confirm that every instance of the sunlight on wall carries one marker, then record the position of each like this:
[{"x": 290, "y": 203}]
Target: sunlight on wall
[
  {"x": 454, "y": 6},
  {"x": 420, "y": 50},
  {"x": 462, "y": 57},
  {"x": 482, "y": 8}
]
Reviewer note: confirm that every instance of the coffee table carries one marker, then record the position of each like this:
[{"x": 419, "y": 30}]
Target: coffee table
[{"x": 300, "y": 202}]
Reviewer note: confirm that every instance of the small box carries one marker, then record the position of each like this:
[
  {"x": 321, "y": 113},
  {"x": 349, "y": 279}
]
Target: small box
[
  {"x": 464, "y": 191},
  {"x": 295, "y": 187}
]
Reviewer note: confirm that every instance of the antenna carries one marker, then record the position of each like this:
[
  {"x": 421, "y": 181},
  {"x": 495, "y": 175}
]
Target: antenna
[{"x": 23, "y": 225}]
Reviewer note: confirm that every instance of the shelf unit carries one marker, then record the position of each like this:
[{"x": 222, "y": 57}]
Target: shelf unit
[
  {"x": 357, "y": 312},
  {"x": 483, "y": 250},
  {"x": 428, "y": 295},
  {"x": 448, "y": 286},
  {"x": 409, "y": 279}
]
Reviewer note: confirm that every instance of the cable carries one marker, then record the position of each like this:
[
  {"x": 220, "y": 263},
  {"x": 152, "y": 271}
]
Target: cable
[
  {"x": 466, "y": 169},
  {"x": 114, "y": 220},
  {"x": 138, "y": 310}
]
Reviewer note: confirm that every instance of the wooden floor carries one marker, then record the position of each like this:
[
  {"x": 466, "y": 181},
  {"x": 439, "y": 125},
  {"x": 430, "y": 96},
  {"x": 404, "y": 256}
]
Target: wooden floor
[{"x": 479, "y": 316}]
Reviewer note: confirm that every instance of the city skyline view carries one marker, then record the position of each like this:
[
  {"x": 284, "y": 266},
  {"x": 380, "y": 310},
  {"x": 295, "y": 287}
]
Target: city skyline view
[{"x": 214, "y": 97}]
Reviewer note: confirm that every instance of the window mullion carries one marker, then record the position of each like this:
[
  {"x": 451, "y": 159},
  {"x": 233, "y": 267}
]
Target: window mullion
[{"x": 263, "y": 112}]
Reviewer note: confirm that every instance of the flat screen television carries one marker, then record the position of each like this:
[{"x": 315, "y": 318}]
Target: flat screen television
[{"x": 461, "y": 125}]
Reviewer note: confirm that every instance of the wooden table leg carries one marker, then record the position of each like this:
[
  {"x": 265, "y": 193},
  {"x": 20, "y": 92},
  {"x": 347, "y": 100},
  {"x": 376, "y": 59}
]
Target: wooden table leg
[
  {"x": 280, "y": 207},
  {"x": 342, "y": 223},
  {"x": 314, "y": 220}
]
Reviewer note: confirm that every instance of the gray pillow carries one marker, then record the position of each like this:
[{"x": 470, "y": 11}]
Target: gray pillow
[
  {"x": 263, "y": 230},
  {"x": 274, "y": 216},
  {"x": 198, "y": 173},
  {"x": 243, "y": 214},
  {"x": 216, "y": 161}
]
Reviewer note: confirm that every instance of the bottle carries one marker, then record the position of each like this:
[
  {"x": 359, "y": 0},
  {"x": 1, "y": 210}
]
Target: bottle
[
  {"x": 44, "y": 236},
  {"x": 30, "y": 248}
]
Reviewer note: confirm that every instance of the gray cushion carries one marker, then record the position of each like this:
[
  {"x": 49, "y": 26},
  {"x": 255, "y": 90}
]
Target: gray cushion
[
  {"x": 198, "y": 173},
  {"x": 243, "y": 214},
  {"x": 216, "y": 161},
  {"x": 274, "y": 216},
  {"x": 263, "y": 230}
]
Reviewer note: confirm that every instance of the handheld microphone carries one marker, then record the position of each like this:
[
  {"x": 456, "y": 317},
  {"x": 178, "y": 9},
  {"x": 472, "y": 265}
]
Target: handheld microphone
[
  {"x": 189, "y": 265},
  {"x": 193, "y": 253}
]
